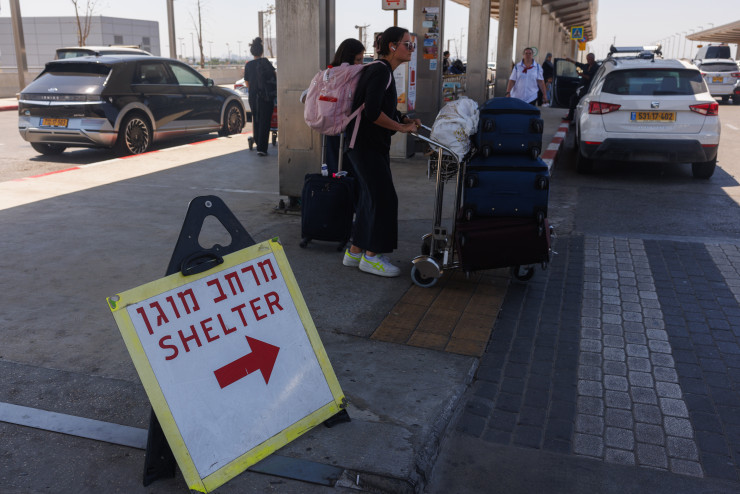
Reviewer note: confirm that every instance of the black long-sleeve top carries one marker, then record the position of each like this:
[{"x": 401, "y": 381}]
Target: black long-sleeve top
[{"x": 371, "y": 90}]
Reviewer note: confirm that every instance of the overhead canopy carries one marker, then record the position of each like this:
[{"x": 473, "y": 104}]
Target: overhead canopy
[
  {"x": 568, "y": 13},
  {"x": 727, "y": 33}
]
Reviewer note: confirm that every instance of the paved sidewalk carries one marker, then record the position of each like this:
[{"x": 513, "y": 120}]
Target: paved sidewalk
[{"x": 94, "y": 230}]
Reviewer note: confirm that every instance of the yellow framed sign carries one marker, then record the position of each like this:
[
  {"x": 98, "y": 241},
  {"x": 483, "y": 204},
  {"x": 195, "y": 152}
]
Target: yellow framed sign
[
  {"x": 230, "y": 360},
  {"x": 576, "y": 32}
]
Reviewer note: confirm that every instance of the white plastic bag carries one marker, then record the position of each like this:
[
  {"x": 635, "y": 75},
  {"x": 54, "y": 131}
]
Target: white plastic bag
[{"x": 454, "y": 125}]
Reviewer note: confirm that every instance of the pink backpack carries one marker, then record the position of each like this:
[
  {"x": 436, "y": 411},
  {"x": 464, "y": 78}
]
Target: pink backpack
[{"x": 329, "y": 100}]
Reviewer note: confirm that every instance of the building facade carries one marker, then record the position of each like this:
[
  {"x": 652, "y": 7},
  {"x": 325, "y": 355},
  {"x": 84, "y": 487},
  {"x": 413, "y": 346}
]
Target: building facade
[{"x": 43, "y": 35}]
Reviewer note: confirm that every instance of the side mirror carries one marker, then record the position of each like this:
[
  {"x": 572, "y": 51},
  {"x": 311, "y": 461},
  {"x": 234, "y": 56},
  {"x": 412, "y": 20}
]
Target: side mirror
[{"x": 209, "y": 82}]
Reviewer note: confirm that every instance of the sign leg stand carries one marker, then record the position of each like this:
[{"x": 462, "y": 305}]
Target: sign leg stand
[{"x": 188, "y": 258}]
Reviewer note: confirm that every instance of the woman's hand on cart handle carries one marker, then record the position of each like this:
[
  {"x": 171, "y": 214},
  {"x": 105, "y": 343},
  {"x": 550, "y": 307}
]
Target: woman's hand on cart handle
[{"x": 410, "y": 124}]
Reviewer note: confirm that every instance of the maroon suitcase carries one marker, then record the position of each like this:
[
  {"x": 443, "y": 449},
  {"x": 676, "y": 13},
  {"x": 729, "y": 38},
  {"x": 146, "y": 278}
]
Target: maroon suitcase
[{"x": 489, "y": 243}]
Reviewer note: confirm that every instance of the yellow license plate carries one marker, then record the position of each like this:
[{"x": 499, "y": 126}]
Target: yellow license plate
[
  {"x": 717, "y": 78},
  {"x": 54, "y": 122},
  {"x": 653, "y": 116}
]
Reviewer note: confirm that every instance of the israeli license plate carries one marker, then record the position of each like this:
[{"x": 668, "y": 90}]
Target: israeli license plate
[
  {"x": 717, "y": 78},
  {"x": 53, "y": 122},
  {"x": 653, "y": 116}
]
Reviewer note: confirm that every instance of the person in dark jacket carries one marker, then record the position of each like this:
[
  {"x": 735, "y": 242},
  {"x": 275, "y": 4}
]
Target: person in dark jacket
[
  {"x": 259, "y": 76},
  {"x": 375, "y": 229},
  {"x": 589, "y": 71},
  {"x": 548, "y": 69}
]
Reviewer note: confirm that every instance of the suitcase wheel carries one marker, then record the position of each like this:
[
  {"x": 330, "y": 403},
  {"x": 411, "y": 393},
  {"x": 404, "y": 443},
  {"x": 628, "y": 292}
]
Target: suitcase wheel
[
  {"x": 250, "y": 140},
  {"x": 304, "y": 243},
  {"x": 534, "y": 152},
  {"x": 522, "y": 273},
  {"x": 542, "y": 183},
  {"x": 472, "y": 181},
  {"x": 486, "y": 151},
  {"x": 468, "y": 214}
]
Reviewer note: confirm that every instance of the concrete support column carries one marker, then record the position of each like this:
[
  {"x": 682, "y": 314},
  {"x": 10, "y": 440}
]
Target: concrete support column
[
  {"x": 310, "y": 25},
  {"x": 535, "y": 15},
  {"x": 546, "y": 36},
  {"x": 507, "y": 10},
  {"x": 428, "y": 71},
  {"x": 478, "y": 29},
  {"x": 19, "y": 42},
  {"x": 523, "y": 11}
]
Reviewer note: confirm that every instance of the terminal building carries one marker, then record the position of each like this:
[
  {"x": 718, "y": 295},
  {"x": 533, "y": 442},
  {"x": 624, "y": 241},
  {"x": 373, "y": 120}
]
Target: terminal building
[{"x": 43, "y": 35}]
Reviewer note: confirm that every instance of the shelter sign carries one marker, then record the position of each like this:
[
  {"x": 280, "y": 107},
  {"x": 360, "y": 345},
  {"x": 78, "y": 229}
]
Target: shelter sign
[
  {"x": 231, "y": 361},
  {"x": 394, "y": 4},
  {"x": 576, "y": 32}
]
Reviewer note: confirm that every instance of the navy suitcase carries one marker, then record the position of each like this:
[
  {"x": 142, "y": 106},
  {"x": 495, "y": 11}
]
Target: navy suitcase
[
  {"x": 505, "y": 186},
  {"x": 327, "y": 207},
  {"x": 490, "y": 243},
  {"x": 509, "y": 126}
]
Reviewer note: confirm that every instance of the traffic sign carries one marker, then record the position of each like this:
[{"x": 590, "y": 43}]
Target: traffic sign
[
  {"x": 231, "y": 361},
  {"x": 576, "y": 32},
  {"x": 393, "y": 5}
]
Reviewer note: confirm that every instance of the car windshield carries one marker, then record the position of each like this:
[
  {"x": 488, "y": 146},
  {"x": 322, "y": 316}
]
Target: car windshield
[
  {"x": 654, "y": 82},
  {"x": 718, "y": 67}
]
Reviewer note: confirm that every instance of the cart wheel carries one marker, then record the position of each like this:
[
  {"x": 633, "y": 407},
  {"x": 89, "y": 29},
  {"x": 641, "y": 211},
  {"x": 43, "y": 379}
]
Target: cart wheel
[
  {"x": 304, "y": 243},
  {"x": 420, "y": 280},
  {"x": 250, "y": 140},
  {"x": 522, "y": 274}
]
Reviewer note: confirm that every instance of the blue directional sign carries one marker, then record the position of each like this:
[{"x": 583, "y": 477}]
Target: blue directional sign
[{"x": 576, "y": 32}]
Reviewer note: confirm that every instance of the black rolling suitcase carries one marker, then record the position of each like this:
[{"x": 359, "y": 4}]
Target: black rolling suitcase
[
  {"x": 509, "y": 126},
  {"x": 327, "y": 205},
  {"x": 489, "y": 243},
  {"x": 512, "y": 185}
]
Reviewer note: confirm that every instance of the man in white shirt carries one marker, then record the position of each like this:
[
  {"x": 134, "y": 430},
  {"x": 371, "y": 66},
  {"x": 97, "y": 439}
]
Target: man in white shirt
[{"x": 525, "y": 79}]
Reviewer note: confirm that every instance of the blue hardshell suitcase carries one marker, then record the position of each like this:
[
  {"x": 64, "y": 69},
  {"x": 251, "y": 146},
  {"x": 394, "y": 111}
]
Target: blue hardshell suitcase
[
  {"x": 513, "y": 185},
  {"x": 509, "y": 126}
]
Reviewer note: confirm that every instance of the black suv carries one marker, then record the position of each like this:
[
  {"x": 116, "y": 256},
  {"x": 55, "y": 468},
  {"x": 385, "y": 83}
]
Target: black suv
[{"x": 124, "y": 102}]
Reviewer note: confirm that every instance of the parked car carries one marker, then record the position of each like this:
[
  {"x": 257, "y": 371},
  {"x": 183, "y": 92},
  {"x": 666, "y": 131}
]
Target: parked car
[
  {"x": 241, "y": 88},
  {"x": 712, "y": 52},
  {"x": 87, "y": 51},
  {"x": 721, "y": 76},
  {"x": 648, "y": 110},
  {"x": 125, "y": 102}
]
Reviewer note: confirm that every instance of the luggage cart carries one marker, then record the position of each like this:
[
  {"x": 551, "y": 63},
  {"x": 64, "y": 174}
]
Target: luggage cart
[{"x": 438, "y": 249}]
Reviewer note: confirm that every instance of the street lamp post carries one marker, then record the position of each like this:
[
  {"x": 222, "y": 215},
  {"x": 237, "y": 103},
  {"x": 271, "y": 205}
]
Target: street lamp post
[
  {"x": 210, "y": 53},
  {"x": 678, "y": 42},
  {"x": 683, "y": 45},
  {"x": 229, "y": 52},
  {"x": 192, "y": 47},
  {"x": 240, "y": 51},
  {"x": 182, "y": 48},
  {"x": 691, "y": 42}
]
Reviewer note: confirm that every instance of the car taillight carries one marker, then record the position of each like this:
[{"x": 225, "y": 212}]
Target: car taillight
[
  {"x": 708, "y": 109},
  {"x": 736, "y": 74},
  {"x": 599, "y": 108},
  {"x": 703, "y": 74}
]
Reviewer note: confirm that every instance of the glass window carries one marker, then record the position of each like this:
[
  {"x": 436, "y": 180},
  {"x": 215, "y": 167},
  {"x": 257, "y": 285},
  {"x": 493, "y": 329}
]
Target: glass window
[
  {"x": 654, "y": 82},
  {"x": 718, "y": 67},
  {"x": 564, "y": 68},
  {"x": 186, "y": 76},
  {"x": 152, "y": 73}
]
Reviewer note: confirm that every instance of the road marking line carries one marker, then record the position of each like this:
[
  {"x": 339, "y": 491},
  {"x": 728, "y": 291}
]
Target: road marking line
[{"x": 731, "y": 126}]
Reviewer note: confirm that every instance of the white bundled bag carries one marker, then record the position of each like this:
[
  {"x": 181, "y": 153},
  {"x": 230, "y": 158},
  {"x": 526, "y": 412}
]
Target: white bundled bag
[{"x": 454, "y": 125}]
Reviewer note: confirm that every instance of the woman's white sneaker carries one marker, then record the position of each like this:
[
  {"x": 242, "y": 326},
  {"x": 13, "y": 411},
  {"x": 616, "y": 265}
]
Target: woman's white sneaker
[
  {"x": 379, "y": 265},
  {"x": 350, "y": 259}
]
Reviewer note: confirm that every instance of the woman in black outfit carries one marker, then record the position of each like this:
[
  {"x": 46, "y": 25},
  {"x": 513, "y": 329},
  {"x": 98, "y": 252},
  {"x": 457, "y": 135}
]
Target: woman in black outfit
[
  {"x": 256, "y": 73},
  {"x": 376, "y": 222}
]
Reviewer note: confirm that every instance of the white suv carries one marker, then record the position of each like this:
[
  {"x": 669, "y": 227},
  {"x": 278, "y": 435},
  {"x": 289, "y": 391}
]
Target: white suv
[
  {"x": 648, "y": 110},
  {"x": 721, "y": 75}
]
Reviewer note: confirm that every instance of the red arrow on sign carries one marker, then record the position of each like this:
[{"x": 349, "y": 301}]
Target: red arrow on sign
[{"x": 261, "y": 358}]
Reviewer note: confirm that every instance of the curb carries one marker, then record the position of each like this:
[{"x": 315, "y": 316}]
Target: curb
[
  {"x": 8, "y": 108},
  {"x": 550, "y": 154}
]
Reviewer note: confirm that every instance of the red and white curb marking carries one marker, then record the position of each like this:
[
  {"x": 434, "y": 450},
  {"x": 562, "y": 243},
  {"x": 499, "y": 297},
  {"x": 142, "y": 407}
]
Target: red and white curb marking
[{"x": 551, "y": 152}]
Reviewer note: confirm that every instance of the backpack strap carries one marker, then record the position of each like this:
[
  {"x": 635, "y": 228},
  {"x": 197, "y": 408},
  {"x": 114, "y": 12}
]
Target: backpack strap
[{"x": 358, "y": 112}]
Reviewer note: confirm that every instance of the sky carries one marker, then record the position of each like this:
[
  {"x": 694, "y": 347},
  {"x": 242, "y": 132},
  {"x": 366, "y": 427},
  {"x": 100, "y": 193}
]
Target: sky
[{"x": 629, "y": 22}]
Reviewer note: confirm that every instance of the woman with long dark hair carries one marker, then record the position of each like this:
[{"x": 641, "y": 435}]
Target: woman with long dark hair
[
  {"x": 375, "y": 230},
  {"x": 259, "y": 75}
]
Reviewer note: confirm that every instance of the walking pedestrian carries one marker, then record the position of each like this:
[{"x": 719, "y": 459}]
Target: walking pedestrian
[
  {"x": 259, "y": 76},
  {"x": 548, "y": 69},
  {"x": 526, "y": 77},
  {"x": 375, "y": 230}
]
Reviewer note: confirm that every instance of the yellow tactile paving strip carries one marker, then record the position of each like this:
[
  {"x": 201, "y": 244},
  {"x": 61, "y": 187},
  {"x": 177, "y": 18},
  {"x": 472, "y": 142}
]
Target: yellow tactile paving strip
[{"x": 456, "y": 315}]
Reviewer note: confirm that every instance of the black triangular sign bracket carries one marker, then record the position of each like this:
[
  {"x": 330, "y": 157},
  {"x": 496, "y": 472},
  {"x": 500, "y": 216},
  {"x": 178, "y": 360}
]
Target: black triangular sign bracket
[{"x": 189, "y": 258}]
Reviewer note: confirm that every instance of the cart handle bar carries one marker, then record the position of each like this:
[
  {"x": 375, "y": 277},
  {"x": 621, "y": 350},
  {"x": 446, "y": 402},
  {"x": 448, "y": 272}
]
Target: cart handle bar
[{"x": 436, "y": 144}]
